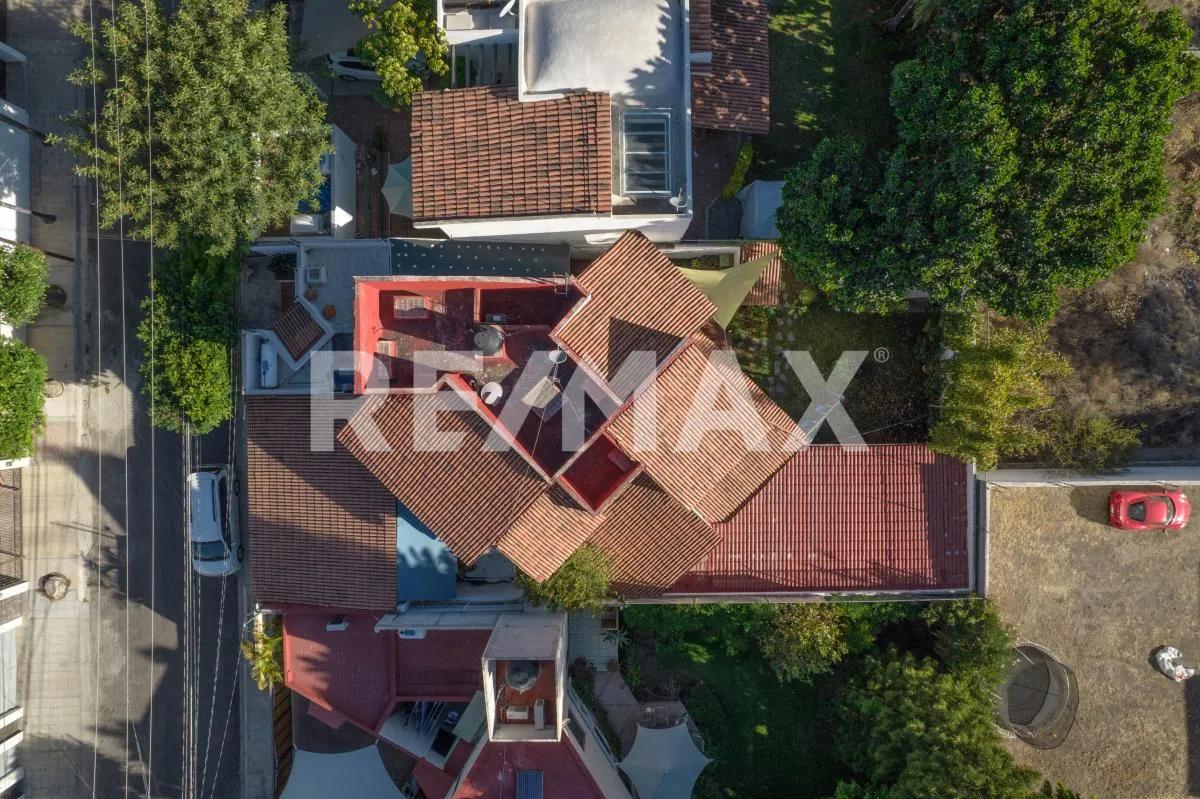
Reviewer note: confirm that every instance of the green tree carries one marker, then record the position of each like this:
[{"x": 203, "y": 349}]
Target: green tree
[
  {"x": 22, "y": 376},
  {"x": 913, "y": 730},
  {"x": 404, "y": 45},
  {"x": 186, "y": 335},
  {"x": 580, "y": 583},
  {"x": 1028, "y": 158},
  {"x": 236, "y": 138},
  {"x": 807, "y": 640},
  {"x": 22, "y": 283},
  {"x": 733, "y": 629},
  {"x": 970, "y": 639},
  {"x": 991, "y": 384}
]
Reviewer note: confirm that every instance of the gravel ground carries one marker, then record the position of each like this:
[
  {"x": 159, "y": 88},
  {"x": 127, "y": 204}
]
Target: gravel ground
[{"x": 1103, "y": 600}]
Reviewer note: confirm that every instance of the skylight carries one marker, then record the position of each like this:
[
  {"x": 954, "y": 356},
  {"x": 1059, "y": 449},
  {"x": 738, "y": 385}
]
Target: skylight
[{"x": 646, "y": 152}]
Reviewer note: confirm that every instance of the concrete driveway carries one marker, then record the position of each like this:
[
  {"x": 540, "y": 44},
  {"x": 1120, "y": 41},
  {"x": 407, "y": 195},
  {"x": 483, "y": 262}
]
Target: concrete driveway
[{"x": 1102, "y": 600}]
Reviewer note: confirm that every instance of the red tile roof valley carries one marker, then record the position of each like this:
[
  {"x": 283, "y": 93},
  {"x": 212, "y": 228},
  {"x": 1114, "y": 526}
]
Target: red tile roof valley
[
  {"x": 733, "y": 93},
  {"x": 482, "y": 153},
  {"x": 546, "y": 534},
  {"x": 323, "y": 529},
  {"x": 651, "y": 539},
  {"x": 709, "y": 468},
  {"x": 637, "y": 301},
  {"x": 468, "y": 496}
]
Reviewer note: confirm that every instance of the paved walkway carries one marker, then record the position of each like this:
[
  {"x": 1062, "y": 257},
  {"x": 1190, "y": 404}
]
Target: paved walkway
[{"x": 59, "y": 518}]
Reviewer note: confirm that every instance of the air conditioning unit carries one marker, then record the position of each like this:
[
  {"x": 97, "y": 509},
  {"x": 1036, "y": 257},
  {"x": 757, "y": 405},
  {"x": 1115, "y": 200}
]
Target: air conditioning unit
[
  {"x": 517, "y": 713},
  {"x": 315, "y": 276}
]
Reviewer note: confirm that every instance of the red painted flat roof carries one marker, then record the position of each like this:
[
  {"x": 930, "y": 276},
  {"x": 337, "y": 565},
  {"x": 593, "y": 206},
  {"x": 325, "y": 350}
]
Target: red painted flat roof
[
  {"x": 349, "y": 672},
  {"x": 445, "y": 664},
  {"x": 891, "y": 518},
  {"x": 494, "y": 774}
]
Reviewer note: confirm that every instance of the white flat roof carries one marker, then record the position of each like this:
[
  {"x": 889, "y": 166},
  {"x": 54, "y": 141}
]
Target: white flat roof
[{"x": 632, "y": 49}]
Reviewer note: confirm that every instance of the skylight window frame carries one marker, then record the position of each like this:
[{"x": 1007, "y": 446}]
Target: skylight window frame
[{"x": 644, "y": 114}]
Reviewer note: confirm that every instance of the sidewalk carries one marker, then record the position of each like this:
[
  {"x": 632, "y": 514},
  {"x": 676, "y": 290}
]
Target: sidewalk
[{"x": 59, "y": 512}]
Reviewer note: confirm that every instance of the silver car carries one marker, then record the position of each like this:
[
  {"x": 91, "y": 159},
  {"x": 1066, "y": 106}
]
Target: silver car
[
  {"x": 348, "y": 66},
  {"x": 213, "y": 531}
]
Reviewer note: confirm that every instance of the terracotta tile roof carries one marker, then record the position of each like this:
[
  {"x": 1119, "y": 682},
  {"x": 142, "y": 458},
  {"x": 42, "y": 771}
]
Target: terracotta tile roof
[
  {"x": 637, "y": 300},
  {"x": 297, "y": 330},
  {"x": 716, "y": 474},
  {"x": 891, "y": 518},
  {"x": 481, "y": 153},
  {"x": 547, "y": 533},
  {"x": 733, "y": 94},
  {"x": 468, "y": 497},
  {"x": 766, "y": 289},
  {"x": 651, "y": 538},
  {"x": 323, "y": 530}
]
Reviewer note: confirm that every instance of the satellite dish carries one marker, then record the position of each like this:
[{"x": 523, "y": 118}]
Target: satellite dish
[
  {"x": 489, "y": 340},
  {"x": 491, "y": 393},
  {"x": 557, "y": 357},
  {"x": 522, "y": 674},
  {"x": 679, "y": 202}
]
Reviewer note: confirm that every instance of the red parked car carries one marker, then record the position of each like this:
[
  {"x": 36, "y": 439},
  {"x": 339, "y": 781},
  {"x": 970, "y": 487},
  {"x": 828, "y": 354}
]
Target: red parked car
[{"x": 1148, "y": 510}]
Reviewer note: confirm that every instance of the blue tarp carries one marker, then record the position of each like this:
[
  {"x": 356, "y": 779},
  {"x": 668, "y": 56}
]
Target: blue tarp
[{"x": 425, "y": 567}]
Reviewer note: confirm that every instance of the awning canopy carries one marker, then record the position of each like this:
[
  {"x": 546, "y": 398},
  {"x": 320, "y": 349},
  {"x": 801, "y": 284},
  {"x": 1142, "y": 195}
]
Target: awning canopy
[
  {"x": 397, "y": 189},
  {"x": 664, "y": 763},
  {"x": 358, "y": 773},
  {"x": 727, "y": 288}
]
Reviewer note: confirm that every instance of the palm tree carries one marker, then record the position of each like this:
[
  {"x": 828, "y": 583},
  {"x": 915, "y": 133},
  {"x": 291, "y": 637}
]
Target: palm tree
[
  {"x": 264, "y": 653},
  {"x": 922, "y": 11}
]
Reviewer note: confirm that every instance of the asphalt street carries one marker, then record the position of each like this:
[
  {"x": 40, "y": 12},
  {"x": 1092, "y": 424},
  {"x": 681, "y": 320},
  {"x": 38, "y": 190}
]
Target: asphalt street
[{"x": 168, "y": 638}]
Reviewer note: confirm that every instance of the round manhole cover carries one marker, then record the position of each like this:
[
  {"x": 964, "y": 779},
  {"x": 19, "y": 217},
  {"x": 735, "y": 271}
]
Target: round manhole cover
[
  {"x": 56, "y": 296},
  {"x": 55, "y": 585}
]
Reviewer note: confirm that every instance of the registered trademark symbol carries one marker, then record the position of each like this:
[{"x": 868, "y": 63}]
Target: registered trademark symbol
[{"x": 881, "y": 355}]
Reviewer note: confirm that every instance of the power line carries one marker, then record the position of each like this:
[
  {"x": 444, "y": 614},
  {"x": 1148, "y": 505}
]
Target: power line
[
  {"x": 153, "y": 392},
  {"x": 99, "y": 418}
]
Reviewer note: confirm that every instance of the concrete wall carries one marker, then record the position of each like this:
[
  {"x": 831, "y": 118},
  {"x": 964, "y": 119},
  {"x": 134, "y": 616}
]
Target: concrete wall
[
  {"x": 344, "y": 187},
  {"x": 580, "y": 230}
]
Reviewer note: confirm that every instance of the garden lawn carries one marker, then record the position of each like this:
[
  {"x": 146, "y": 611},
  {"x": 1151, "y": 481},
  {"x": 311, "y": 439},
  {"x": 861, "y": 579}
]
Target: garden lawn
[
  {"x": 766, "y": 739},
  {"x": 830, "y": 72},
  {"x": 888, "y": 399}
]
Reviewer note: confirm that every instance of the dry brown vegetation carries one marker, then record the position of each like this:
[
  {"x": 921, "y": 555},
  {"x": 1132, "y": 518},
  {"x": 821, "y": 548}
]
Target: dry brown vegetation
[{"x": 1134, "y": 339}]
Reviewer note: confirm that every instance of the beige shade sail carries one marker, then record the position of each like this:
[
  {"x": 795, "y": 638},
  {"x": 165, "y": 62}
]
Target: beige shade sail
[{"x": 727, "y": 288}]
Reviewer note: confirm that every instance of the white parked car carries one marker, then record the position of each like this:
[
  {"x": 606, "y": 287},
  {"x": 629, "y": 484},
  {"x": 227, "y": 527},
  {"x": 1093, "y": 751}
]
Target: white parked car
[
  {"x": 348, "y": 66},
  {"x": 213, "y": 531}
]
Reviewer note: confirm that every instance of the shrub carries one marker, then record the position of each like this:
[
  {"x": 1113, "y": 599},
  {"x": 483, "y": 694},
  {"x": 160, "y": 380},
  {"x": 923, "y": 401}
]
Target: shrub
[
  {"x": 1087, "y": 440},
  {"x": 990, "y": 386},
  {"x": 22, "y": 283},
  {"x": 581, "y": 583},
  {"x": 22, "y": 377},
  {"x": 737, "y": 177}
]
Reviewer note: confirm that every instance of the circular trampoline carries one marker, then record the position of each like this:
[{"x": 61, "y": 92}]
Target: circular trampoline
[{"x": 1037, "y": 698}]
